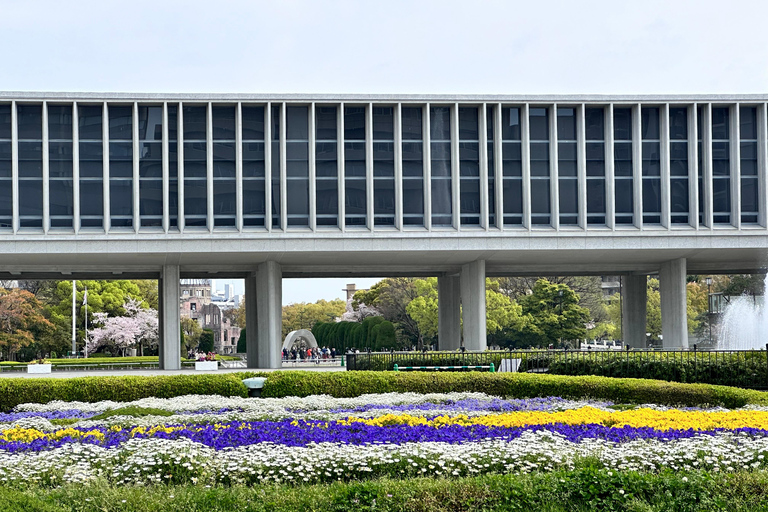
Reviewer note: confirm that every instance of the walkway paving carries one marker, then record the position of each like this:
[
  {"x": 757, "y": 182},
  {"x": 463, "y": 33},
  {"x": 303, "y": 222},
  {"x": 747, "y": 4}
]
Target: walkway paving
[{"x": 68, "y": 374}]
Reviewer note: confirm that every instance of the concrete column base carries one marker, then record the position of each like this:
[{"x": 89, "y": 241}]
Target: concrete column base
[
  {"x": 169, "y": 318},
  {"x": 634, "y": 303},
  {"x": 448, "y": 313},
  {"x": 473, "y": 305},
  {"x": 264, "y": 316},
  {"x": 674, "y": 303}
]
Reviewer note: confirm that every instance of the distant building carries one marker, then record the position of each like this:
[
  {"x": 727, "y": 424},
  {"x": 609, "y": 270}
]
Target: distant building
[{"x": 197, "y": 303}]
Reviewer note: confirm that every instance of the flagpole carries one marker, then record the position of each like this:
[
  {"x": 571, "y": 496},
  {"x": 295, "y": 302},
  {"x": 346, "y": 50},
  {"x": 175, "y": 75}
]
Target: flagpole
[
  {"x": 74, "y": 318},
  {"x": 85, "y": 303}
]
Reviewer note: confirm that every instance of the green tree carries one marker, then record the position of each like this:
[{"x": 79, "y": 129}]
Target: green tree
[
  {"x": 304, "y": 316},
  {"x": 21, "y": 319},
  {"x": 192, "y": 331},
  {"x": 391, "y": 297},
  {"x": 552, "y": 314},
  {"x": 241, "y": 342},
  {"x": 205, "y": 344}
]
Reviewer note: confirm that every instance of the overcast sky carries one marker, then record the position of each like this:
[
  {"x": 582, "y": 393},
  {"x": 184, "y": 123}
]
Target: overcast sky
[{"x": 388, "y": 46}]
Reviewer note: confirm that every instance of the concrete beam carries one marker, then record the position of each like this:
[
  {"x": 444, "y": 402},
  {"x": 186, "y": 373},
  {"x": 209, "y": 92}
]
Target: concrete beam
[
  {"x": 169, "y": 318},
  {"x": 674, "y": 305},
  {"x": 448, "y": 313},
  {"x": 473, "y": 305},
  {"x": 634, "y": 302}
]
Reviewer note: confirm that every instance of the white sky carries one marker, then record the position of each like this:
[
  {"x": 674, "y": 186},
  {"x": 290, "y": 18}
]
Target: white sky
[{"x": 387, "y": 46}]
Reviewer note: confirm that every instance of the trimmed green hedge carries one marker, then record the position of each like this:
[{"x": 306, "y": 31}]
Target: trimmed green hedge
[
  {"x": 516, "y": 385},
  {"x": 120, "y": 389}
]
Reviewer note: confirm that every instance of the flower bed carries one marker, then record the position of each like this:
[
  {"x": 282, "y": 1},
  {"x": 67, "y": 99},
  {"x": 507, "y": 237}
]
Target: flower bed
[{"x": 219, "y": 440}]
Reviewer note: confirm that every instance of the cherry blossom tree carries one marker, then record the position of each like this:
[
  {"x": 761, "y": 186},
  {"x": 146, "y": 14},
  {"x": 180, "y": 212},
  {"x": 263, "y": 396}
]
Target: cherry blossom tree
[{"x": 139, "y": 326}]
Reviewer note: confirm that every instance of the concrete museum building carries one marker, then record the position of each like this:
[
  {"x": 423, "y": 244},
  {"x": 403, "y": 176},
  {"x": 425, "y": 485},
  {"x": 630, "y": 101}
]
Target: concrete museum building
[{"x": 261, "y": 187}]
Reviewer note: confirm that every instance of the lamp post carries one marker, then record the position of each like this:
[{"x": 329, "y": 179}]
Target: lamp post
[{"x": 709, "y": 307}]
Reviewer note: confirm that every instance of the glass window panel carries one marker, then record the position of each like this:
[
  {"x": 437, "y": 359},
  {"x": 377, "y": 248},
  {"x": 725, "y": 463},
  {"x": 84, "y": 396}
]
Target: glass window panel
[
  {"x": 622, "y": 123},
  {"x": 413, "y": 159},
  {"x": 539, "y": 159},
  {"x": 413, "y": 197},
  {"x": 297, "y": 123},
  {"x": 31, "y": 198},
  {"x": 384, "y": 197},
  {"x": 253, "y": 122},
  {"x": 60, "y": 122},
  {"x": 566, "y": 155},
  {"x": 440, "y": 123},
  {"x": 120, "y": 159},
  {"x": 223, "y": 122},
  {"x": 566, "y": 123},
  {"x": 354, "y": 195},
  {"x": 539, "y": 123},
  {"x": 569, "y": 196},
  {"x": 722, "y": 195},
  {"x": 254, "y": 198},
  {"x": 354, "y": 123},
  {"x": 354, "y": 159},
  {"x": 441, "y": 197},
  {"x": 595, "y": 159},
  {"x": 595, "y": 196},
  {"x": 749, "y": 195},
  {"x": 468, "y": 129},
  {"x": 120, "y": 122},
  {"x": 412, "y": 123},
  {"x": 469, "y": 164},
  {"x": 327, "y": 197},
  {"x": 60, "y": 159},
  {"x": 749, "y": 158},
  {"x": 510, "y": 123},
  {"x": 720, "y": 123},
  {"x": 61, "y": 197},
  {"x": 383, "y": 123},
  {"x": 469, "y": 199},
  {"x": 195, "y": 123},
  {"x": 120, "y": 197},
  {"x": 275, "y": 171},
  {"x": 151, "y": 160},
  {"x": 649, "y": 120},
  {"x": 679, "y": 195},
  {"x": 441, "y": 159},
  {"x": 651, "y": 159},
  {"x": 224, "y": 198},
  {"x": 89, "y": 122},
  {"x": 622, "y": 153},
  {"x": 91, "y": 198},
  {"x": 539, "y": 196},
  {"x": 5, "y": 121},
  {"x": 91, "y": 159},
  {"x": 624, "y": 196},
  {"x": 489, "y": 122},
  {"x": 721, "y": 159},
  {"x": 651, "y": 195},
  {"x": 151, "y": 123},
  {"x": 297, "y": 159},
  {"x": 30, "y": 159},
  {"x": 326, "y": 159},
  {"x": 748, "y": 121},
  {"x": 594, "y": 119},
  {"x": 151, "y": 193},
  {"x": 195, "y": 193},
  {"x": 325, "y": 123},
  {"x": 678, "y": 123},
  {"x": 30, "y": 122},
  {"x": 513, "y": 196},
  {"x": 512, "y": 158}
]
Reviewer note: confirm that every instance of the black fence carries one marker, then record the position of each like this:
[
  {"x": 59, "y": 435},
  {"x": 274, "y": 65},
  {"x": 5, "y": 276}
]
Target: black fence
[{"x": 741, "y": 368}]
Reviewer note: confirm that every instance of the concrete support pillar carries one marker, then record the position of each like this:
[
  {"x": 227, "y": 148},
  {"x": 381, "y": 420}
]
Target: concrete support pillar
[
  {"x": 634, "y": 303},
  {"x": 264, "y": 316},
  {"x": 674, "y": 305},
  {"x": 473, "y": 305},
  {"x": 448, "y": 313},
  {"x": 169, "y": 318}
]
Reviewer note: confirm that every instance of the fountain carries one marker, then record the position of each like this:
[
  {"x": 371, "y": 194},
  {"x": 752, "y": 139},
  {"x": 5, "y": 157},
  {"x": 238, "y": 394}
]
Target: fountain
[{"x": 745, "y": 323}]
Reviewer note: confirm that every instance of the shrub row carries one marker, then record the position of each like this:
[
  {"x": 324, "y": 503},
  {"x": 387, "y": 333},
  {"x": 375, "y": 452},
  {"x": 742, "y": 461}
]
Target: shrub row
[
  {"x": 745, "y": 369},
  {"x": 583, "y": 489},
  {"x": 15, "y": 391},
  {"x": 514, "y": 385}
]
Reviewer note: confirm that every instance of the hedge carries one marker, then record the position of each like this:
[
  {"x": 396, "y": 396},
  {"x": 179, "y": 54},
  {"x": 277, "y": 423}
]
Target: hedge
[
  {"x": 15, "y": 391},
  {"x": 513, "y": 385}
]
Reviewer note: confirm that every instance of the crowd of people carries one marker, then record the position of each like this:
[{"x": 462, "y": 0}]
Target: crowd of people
[{"x": 309, "y": 354}]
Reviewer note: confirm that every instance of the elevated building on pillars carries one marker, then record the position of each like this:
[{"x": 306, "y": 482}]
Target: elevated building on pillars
[{"x": 264, "y": 187}]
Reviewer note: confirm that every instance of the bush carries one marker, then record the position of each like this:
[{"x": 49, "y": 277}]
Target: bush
[
  {"x": 120, "y": 389},
  {"x": 514, "y": 385},
  {"x": 242, "y": 348}
]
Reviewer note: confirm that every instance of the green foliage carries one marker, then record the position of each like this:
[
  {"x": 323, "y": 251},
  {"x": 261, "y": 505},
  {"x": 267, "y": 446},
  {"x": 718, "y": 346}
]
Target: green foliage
[
  {"x": 305, "y": 316},
  {"x": 242, "y": 348},
  {"x": 15, "y": 391},
  {"x": 374, "y": 333},
  {"x": 585, "y": 488},
  {"x": 133, "y": 411},
  {"x": 515, "y": 385},
  {"x": 205, "y": 343},
  {"x": 192, "y": 331}
]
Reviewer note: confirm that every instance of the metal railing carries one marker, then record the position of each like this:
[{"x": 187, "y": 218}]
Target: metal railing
[{"x": 741, "y": 368}]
